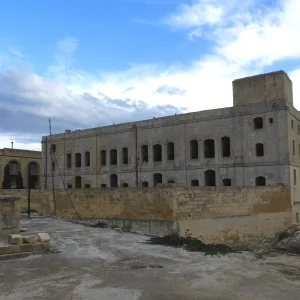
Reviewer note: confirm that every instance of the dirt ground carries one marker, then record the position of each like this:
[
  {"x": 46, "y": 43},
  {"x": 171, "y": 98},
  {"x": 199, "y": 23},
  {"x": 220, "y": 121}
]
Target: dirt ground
[{"x": 94, "y": 263}]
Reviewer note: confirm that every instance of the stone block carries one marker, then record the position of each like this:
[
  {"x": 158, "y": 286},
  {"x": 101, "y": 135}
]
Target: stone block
[
  {"x": 38, "y": 247},
  {"x": 43, "y": 237},
  {"x": 30, "y": 239},
  {"x": 26, "y": 248},
  {"x": 3, "y": 250},
  {"x": 47, "y": 246},
  {"x": 15, "y": 239},
  {"x": 13, "y": 249}
]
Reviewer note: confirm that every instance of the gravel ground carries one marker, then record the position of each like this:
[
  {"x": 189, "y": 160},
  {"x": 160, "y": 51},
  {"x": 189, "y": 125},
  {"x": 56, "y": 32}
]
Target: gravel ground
[{"x": 94, "y": 263}]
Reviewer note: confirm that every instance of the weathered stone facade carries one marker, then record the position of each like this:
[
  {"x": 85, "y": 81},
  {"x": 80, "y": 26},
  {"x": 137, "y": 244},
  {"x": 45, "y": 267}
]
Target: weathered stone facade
[
  {"x": 17, "y": 166},
  {"x": 256, "y": 142}
]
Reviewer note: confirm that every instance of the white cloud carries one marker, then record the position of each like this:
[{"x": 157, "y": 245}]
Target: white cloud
[
  {"x": 245, "y": 41},
  {"x": 18, "y": 140}
]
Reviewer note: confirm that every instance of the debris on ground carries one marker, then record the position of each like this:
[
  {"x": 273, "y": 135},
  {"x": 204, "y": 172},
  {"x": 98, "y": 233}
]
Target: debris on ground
[
  {"x": 99, "y": 224},
  {"x": 286, "y": 240},
  {"x": 190, "y": 243}
]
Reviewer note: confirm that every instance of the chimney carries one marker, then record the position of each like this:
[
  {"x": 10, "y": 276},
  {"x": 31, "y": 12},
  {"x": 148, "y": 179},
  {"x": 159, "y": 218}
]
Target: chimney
[{"x": 12, "y": 145}]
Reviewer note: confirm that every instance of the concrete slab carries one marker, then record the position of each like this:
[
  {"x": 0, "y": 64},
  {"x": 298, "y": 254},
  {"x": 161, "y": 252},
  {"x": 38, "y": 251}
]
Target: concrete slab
[{"x": 96, "y": 263}]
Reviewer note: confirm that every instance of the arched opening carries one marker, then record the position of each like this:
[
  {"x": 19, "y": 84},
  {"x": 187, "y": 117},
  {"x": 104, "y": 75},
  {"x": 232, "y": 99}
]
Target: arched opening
[
  {"x": 33, "y": 175},
  {"x": 12, "y": 176},
  {"x": 78, "y": 160},
  {"x": 145, "y": 184},
  {"x": 157, "y": 179},
  {"x": 195, "y": 182},
  {"x": 210, "y": 177},
  {"x": 113, "y": 157},
  {"x": 259, "y": 149},
  {"x": 78, "y": 182},
  {"x": 113, "y": 180},
  {"x": 260, "y": 181},
  {"x": 157, "y": 153},
  {"x": 209, "y": 148},
  {"x": 194, "y": 149},
  {"x": 87, "y": 159},
  {"x": 69, "y": 161},
  {"x": 258, "y": 123},
  {"x": 124, "y": 184},
  {"x": 170, "y": 151},
  {"x": 103, "y": 158},
  {"x": 125, "y": 155},
  {"x": 144, "y": 151},
  {"x": 226, "y": 182},
  {"x": 225, "y": 141}
]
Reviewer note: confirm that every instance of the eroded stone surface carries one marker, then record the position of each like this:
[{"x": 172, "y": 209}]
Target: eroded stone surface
[
  {"x": 15, "y": 239},
  {"x": 30, "y": 239}
]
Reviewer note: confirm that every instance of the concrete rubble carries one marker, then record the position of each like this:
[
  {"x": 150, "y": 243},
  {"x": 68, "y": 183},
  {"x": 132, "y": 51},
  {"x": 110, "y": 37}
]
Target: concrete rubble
[{"x": 286, "y": 240}]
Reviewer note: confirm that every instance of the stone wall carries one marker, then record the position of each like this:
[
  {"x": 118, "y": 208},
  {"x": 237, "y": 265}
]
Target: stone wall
[
  {"x": 215, "y": 214},
  {"x": 9, "y": 214}
]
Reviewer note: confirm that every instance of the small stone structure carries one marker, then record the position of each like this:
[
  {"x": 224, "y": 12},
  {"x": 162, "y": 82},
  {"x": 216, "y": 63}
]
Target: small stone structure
[{"x": 9, "y": 214}]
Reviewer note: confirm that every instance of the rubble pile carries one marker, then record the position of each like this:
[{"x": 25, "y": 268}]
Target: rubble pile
[{"x": 286, "y": 240}]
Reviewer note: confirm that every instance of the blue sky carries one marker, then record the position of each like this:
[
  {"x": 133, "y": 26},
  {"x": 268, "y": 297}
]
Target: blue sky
[{"x": 92, "y": 63}]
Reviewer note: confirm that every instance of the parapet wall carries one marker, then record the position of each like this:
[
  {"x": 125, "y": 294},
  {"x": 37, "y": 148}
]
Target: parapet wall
[
  {"x": 9, "y": 214},
  {"x": 215, "y": 214}
]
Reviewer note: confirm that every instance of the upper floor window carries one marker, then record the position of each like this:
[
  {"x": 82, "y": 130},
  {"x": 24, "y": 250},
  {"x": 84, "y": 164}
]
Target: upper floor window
[
  {"x": 87, "y": 159},
  {"x": 144, "y": 153},
  {"x": 170, "y": 151},
  {"x": 157, "y": 153},
  {"x": 225, "y": 146},
  {"x": 209, "y": 148},
  {"x": 69, "y": 161},
  {"x": 292, "y": 124},
  {"x": 258, "y": 123},
  {"x": 78, "y": 160},
  {"x": 259, "y": 149},
  {"x": 53, "y": 148},
  {"x": 113, "y": 157},
  {"x": 194, "y": 149},
  {"x": 103, "y": 158},
  {"x": 125, "y": 155}
]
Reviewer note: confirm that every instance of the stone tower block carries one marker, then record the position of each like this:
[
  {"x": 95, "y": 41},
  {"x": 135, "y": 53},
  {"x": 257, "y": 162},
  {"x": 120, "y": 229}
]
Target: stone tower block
[{"x": 264, "y": 87}]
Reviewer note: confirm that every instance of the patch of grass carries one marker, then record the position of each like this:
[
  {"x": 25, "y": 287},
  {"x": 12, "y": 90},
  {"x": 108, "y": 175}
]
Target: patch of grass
[
  {"x": 127, "y": 226},
  {"x": 190, "y": 243}
]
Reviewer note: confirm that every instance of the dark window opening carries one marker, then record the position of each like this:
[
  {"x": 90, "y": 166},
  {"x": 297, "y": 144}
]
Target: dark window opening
[
  {"x": 144, "y": 153},
  {"x": 194, "y": 149},
  {"x": 33, "y": 175},
  {"x": 170, "y": 151},
  {"x": 298, "y": 129},
  {"x": 258, "y": 123},
  {"x": 78, "y": 160},
  {"x": 12, "y": 176},
  {"x": 53, "y": 166},
  {"x": 295, "y": 177},
  {"x": 113, "y": 157},
  {"x": 292, "y": 124},
  {"x": 171, "y": 181},
  {"x": 259, "y": 149},
  {"x": 87, "y": 185},
  {"x": 210, "y": 178},
  {"x": 125, "y": 156},
  {"x": 69, "y": 186},
  {"x": 124, "y": 184},
  {"x": 69, "y": 161},
  {"x": 209, "y": 148},
  {"x": 113, "y": 181},
  {"x": 260, "y": 181},
  {"x": 77, "y": 182},
  {"x": 226, "y": 182},
  {"x": 157, "y": 179},
  {"x": 53, "y": 148},
  {"x": 225, "y": 141},
  {"x": 103, "y": 157},
  {"x": 294, "y": 148},
  {"x": 145, "y": 184},
  {"x": 271, "y": 120},
  {"x": 195, "y": 182},
  {"x": 103, "y": 185},
  {"x": 297, "y": 217},
  {"x": 87, "y": 158},
  {"x": 157, "y": 153}
]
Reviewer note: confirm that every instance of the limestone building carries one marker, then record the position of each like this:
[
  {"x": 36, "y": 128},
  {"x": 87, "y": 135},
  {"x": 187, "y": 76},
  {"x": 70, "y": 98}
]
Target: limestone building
[
  {"x": 254, "y": 143},
  {"x": 18, "y": 166}
]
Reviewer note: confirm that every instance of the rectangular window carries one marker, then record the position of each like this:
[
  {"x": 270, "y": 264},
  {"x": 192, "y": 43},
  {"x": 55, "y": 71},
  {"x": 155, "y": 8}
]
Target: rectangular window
[
  {"x": 292, "y": 124},
  {"x": 294, "y": 148},
  {"x": 295, "y": 177},
  {"x": 271, "y": 120}
]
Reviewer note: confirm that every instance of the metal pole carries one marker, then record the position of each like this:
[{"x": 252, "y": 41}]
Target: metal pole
[{"x": 29, "y": 186}]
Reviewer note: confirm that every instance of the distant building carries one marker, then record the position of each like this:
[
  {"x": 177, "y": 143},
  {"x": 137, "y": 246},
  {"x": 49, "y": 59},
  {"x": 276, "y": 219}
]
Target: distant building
[{"x": 17, "y": 166}]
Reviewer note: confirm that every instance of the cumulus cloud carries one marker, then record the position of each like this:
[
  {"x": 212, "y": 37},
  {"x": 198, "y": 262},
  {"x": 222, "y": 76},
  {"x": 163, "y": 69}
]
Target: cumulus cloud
[{"x": 244, "y": 40}]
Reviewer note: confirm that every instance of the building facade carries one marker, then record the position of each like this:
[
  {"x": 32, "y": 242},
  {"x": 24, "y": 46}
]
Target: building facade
[
  {"x": 19, "y": 168},
  {"x": 256, "y": 142}
]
